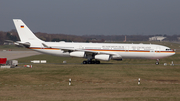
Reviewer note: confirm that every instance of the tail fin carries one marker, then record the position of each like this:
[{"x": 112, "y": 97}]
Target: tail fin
[{"x": 25, "y": 34}]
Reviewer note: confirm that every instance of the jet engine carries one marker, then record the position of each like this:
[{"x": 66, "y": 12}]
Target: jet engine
[
  {"x": 116, "y": 57},
  {"x": 77, "y": 54},
  {"x": 103, "y": 57}
]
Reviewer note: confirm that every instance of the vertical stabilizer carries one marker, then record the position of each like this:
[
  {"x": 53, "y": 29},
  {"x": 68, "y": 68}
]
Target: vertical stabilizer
[{"x": 25, "y": 34}]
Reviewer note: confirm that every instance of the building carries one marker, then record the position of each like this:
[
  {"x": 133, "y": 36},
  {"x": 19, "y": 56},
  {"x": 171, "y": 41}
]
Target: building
[
  {"x": 8, "y": 42},
  {"x": 178, "y": 38},
  {"x": 157, "y": 38}
]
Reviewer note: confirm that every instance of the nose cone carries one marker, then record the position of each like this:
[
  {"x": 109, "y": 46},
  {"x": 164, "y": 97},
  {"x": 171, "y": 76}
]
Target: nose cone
[
  {"x": 170, "y": 53},
  {"x": 173, "y": 53},
  {"x": 164, "y": 54}
]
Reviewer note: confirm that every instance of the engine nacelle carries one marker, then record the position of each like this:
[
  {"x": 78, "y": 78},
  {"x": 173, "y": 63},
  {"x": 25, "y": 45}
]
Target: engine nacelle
[
  {"x": 77, "y": 54},
  {"x": 116, "y": 57},
  {"x": 103, "y": 57}
]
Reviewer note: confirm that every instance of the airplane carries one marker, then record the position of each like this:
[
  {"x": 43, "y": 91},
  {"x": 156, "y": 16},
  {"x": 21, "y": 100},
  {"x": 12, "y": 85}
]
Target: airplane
[{"x": 93, "y": 52}]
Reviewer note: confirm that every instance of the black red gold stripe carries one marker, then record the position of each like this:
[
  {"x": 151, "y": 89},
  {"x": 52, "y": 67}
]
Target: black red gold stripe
[
  {"x": 103, "y": 50},
  {"x": 128, "y": 51}
]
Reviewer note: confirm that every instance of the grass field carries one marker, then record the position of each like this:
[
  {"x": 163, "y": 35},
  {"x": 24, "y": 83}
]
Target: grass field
[
  {"x": 49, "y": 82},
  {"x": 109, "y": 81}
]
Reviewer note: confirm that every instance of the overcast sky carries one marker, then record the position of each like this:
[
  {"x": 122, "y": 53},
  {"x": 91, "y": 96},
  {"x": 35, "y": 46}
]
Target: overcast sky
[{"x": 93, "y": 17}]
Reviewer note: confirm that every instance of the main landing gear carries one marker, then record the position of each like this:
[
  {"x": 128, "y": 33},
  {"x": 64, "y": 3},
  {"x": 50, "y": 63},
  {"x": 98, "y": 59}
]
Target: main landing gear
[
  {"x": 91, "y": 62},
  {"x": 157, "y": 62}
]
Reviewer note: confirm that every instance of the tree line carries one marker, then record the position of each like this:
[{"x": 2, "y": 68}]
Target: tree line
[{"x": 12, "y": 35}]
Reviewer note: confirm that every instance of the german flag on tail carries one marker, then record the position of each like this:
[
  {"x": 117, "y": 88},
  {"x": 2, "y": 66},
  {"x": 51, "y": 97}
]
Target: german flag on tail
[{"x": 22, "y": 26}]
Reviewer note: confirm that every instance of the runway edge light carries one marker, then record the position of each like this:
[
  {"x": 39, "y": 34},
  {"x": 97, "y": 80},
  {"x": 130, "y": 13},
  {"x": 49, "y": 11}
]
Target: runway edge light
[
  {"x": 70, "y": 82},
  {"x": 139, "y": 81}
]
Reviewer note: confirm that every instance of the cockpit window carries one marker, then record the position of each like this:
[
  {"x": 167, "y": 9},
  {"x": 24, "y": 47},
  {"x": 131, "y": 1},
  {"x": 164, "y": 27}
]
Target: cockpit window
[{"x": 168, "y": 49}]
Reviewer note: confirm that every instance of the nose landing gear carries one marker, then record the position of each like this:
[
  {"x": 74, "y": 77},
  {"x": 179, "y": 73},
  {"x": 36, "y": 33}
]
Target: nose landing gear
[{"x": 157, "y": 62}]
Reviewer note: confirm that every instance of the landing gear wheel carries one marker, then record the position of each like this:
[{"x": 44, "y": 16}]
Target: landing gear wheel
[
  {"x": 89, "y": 62},
  {"x": 93, "y": 62},
  {"x": 97, "y": 62},
  {"x": 84, "y": 62},
  {"x": 157, "y": 63}
]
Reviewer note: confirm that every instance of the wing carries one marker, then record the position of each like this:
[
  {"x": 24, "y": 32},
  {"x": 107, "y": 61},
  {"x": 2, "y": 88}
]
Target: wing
[
  {"x": 62, "y": 48},
  {"x": 98, "y": 52},
  {"x": 113, "y": 55}
]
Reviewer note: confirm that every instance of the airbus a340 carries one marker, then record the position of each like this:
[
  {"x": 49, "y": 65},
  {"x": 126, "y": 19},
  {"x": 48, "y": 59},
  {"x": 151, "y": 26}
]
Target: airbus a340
[{"x": 93, "y": 52}]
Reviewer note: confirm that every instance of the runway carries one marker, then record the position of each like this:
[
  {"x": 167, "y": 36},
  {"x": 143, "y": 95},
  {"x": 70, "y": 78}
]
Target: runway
[{"x": 17, "y": 54}]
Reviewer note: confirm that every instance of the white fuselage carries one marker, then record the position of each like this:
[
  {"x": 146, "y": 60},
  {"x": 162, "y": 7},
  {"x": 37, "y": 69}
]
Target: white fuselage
[{"x": 147, "y": 51}]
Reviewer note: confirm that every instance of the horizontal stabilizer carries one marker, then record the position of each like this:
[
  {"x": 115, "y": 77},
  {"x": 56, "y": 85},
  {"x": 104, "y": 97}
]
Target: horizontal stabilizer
[{"x": 25, "y": 44}]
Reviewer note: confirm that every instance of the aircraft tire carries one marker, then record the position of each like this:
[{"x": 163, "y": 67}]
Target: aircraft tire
[
  {"x": 93, "y": 62},
  {"x": 85, "y": 62},
  {"x": 97, "y": 62},
  {"x": 89, "y": 62},
  {"x": 157, "y": 63}
]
